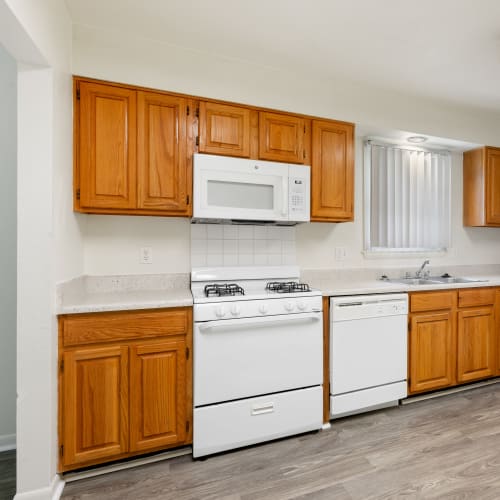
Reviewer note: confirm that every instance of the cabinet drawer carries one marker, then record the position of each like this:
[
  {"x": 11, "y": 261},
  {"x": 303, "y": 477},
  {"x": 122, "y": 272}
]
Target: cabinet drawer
[
  {"x": 476, "y": 297},
  {"x": 432, "y": 301},
  {"x": 104, "y": 327}
]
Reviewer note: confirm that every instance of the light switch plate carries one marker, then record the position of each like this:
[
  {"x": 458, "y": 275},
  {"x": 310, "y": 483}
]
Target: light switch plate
[
  {"x": 146, "y": 255},
  {"x": 340, "y": 253}
]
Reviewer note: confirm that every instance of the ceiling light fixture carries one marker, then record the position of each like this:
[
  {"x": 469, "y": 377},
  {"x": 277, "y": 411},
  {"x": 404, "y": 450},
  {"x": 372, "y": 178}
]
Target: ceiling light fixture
[{"x": 416, "y": 139}]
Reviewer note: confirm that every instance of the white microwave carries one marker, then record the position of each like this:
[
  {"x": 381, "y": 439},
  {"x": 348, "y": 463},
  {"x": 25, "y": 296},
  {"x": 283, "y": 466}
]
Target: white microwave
[{"x": 227, "y": 189}]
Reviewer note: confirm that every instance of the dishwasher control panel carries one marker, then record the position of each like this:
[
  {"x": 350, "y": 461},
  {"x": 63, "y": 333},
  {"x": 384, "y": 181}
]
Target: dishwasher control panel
[{"x": 368, "y": 306}]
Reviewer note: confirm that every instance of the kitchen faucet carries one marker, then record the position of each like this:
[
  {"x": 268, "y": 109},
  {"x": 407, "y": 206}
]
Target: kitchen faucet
[{"x": 418, "y": 274}]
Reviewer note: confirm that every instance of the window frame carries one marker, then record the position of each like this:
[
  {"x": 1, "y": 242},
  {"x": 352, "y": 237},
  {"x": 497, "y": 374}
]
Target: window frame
[{"x": 404, "y": 252}]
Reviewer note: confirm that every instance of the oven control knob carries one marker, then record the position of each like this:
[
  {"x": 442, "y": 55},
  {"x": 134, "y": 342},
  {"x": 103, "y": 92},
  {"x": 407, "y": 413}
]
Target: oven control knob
[
  {"x": 235, "y": 310},
  {"x": 301, "y": 306},
  {"x": 220, "y": 312},
  {"x": 289, "y": 306},
  {"x": 263, "y": 309}
]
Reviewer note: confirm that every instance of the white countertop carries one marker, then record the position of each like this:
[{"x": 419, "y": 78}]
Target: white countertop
[
  {"x": 89, "y": 294},
  {"x": 360, "y": 282}
]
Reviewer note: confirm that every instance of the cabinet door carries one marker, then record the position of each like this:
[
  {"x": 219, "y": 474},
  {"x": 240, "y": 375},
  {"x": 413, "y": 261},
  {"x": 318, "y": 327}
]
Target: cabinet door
[
  {"x": 475, "y": 344},
  {"x": 106, "y": 149},
  {"x": 281, "y": 137},
  {"x": 95, "y": 404},
  {"x": 162, "y": 153},
  {"x": 432, "y": 351},
  {"x": 157, "y": 394},
  {"x": 493, "y": 186},
  {"x": 497, "y": 329},
  {"x": 224, "y": 129},
  {"x": 332, "y": 171}
]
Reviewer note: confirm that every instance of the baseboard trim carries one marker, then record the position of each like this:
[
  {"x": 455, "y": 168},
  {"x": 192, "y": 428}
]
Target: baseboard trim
[
  {"x": 52, "y": 492},
  {"x": 107, "y": 469},
  {"x": 451, "y": 390},
  {"x": 7, "y": 442}
]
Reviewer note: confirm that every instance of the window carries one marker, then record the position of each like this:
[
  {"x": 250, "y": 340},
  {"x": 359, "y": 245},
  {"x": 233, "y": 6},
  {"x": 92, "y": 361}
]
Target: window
[{"x": 407, "y": 199}]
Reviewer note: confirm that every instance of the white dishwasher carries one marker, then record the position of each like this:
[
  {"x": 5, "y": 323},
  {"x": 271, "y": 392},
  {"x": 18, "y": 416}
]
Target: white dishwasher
[{"x": 368, "y": 352}]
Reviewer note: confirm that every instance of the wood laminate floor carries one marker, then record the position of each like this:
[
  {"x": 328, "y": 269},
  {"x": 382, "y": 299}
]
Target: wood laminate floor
[
  {"x": 444, "y": 448},
  {"x": 7, "y": 475}
]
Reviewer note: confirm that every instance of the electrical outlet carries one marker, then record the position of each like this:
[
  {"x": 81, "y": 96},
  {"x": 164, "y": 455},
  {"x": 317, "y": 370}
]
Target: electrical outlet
[
  {"x": 340, "y": 253},
  {"x": 146, "y": 255}
]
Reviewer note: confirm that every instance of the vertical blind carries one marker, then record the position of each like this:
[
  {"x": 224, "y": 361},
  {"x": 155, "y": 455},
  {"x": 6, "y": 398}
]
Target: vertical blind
[{"x": 408, "y": 198}]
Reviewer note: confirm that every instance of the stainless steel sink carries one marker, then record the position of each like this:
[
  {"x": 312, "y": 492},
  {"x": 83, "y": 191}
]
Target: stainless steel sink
[
  {"x": 439, "y": 279},
  {"x": 432, "y": 280},
  {"x": 415, "y": 281}
]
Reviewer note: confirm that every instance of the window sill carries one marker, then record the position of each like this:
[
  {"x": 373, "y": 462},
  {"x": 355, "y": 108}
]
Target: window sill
[{"x": 410, "y": 254}]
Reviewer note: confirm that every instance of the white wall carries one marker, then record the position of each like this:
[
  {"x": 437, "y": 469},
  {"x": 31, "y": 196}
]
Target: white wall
[
  {"x": 38, "y": 35},
  {"x": 113, "y": 242},
  {"x": 109, "y": 56},
  {"x": 8, "y": 248}
]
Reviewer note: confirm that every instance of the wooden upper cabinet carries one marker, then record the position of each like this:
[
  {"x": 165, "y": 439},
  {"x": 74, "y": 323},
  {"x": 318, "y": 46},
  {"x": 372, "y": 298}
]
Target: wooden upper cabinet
[
  {"x": 133, "y": 151},
  {"x": 281, "y": 137},
  {"x": 105, "y": 145},
  {"x": 162, "y": 155},
  {"x": 493, "y": 186},
  {"x": 482, "y": 187},
  {"x": 332, "y": 171},
  {"x": 157, "y": 394},
  {"x": 476, "y": 344},
  {"x": 95, "y": 399},
  {"x": 224, "y": 129},
  {"x": 432, "y": 351}
]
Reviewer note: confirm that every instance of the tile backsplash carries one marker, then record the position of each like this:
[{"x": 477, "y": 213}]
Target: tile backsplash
[{"x": 234, "y": 245}]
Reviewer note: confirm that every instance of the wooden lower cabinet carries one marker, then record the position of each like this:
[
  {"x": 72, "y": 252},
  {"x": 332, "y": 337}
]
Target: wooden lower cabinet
[
  {"x": 95, "y": 403},
  {"x": 475, "y": 344},
  {"x": 453, "y": 337},
  {"x": 432, "y": 351},
  {"x": 157, "y": 394},
  {"x": 122, "y": 394}
]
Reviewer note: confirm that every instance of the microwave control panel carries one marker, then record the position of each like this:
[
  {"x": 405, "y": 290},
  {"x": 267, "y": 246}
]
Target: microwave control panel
[{"x": 298, "y": 193}]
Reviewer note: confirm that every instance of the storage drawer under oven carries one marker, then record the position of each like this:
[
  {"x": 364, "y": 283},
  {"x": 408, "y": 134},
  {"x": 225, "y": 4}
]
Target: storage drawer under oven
[
  {"x": 241, "y": 358},
  {"x": 240, "y": 423}
]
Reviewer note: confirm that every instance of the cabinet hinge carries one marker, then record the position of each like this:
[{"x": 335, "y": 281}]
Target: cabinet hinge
[
  {"x": 78, "y": 93},
  {"x": 197, "y": 113},
  {"x": 187, "y": 109},
  {"x": 304, "y": 129},
  {"x": 187, "y": 352},
  {"x": 187, "y": 426},
  {"x": 78, "y": 194},
  {"x": 187, "y": 200},
  {"x": 61, "y": 365},
  {"x": 304, "y": 153},
  {"x": 61, "y": 450},
  {"x": 197, "y": 140}
]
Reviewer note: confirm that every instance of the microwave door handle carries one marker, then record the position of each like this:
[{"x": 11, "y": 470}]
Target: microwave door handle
[
  {"x": 284, "y": 197},
  {"x": 258, "y": 322}
]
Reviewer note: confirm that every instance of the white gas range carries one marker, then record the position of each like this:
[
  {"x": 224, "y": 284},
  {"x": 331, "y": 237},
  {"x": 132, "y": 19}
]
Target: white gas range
[{"x": 258, "y": 356}]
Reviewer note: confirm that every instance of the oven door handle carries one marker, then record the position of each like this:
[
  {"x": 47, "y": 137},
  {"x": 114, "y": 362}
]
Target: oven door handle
[{"x": 259, "y": 322}]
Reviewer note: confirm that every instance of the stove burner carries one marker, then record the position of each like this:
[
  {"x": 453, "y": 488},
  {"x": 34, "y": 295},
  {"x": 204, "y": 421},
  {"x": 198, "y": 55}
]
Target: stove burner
[
  {"x": 287, "y": 287},
  {"x": 223, "y": 290}
]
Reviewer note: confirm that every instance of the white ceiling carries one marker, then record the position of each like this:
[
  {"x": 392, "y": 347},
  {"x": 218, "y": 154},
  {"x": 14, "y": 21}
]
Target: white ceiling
[{"x": 445, "y": 49}]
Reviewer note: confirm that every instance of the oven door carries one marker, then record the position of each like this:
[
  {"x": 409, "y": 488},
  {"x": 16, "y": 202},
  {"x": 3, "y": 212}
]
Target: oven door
[
  {"x": 239, "y": 358},
  {"x": 239, "y": 189}
]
